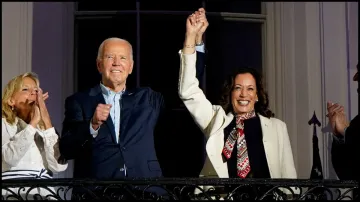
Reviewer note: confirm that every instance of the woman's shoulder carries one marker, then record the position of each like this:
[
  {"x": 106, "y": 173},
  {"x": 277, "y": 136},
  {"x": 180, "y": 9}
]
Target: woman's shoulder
[
  {"x": 7, "y": 124},
  {"x": 273, "y": 120}
]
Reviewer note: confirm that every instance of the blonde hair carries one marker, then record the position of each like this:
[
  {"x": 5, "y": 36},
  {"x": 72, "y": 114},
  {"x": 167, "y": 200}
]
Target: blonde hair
[{"x": 11, "y": 88}]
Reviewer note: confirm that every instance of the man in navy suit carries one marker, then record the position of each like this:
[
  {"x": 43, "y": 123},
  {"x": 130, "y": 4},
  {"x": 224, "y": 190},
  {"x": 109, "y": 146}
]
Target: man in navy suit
[{"x": 109, "y": 129}]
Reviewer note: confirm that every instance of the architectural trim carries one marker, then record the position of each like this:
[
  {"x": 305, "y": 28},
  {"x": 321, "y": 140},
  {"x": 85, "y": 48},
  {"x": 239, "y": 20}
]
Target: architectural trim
[
  {"x": 294, "y": 75},
  {"x": 306, "y": 64},
  {"x": 17, "y": 20}
]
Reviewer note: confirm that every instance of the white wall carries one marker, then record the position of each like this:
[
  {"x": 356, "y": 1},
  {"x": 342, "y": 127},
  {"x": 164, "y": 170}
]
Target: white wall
[
  {"x": 16, "y": 39},
  {"x": 310, "y": 61},
  {"x": 38, "y": 37}
]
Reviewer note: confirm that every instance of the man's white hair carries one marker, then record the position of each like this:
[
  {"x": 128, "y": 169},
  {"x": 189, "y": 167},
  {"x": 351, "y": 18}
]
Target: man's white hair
[{"x": 101, "y": 47}]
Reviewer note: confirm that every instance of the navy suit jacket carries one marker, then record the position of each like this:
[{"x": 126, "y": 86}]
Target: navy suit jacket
[
  {"x": 102, "y": 157},
  {"x": 344, "y": 163}
]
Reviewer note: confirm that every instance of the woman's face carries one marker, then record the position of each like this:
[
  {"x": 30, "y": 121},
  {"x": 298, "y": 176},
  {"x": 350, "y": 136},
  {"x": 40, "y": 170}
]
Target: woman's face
[
  {"x": 244, "y": 93},
  {"x": 23, "y": 99}
]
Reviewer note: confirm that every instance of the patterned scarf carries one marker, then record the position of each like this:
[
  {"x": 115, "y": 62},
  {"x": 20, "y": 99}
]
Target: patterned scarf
[{"x": 237, "y": 135}]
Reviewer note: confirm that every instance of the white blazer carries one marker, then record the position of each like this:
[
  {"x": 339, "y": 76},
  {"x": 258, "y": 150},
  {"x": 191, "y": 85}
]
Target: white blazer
[{"x": 212, "y": 120}]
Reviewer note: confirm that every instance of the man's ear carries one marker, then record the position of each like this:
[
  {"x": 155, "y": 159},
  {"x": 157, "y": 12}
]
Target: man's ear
[
  {"x": 131, "y": 68},
  {"x": 98, "y": 65}
]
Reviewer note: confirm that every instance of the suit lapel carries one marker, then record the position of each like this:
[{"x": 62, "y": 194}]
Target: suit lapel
[
  {"x": 269, "y": 135},
  {"x": 127, "y": 104},
  {"x": 97, "y": 98},
  {"x": 215, "y": 145}
]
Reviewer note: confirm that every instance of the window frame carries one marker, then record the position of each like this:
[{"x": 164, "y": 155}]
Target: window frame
[{"x": 227, "y": 16}]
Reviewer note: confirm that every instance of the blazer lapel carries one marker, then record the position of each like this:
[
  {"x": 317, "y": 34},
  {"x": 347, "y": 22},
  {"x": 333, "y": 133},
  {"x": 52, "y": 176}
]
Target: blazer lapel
[
  {"x": 127, "y": 104},
  {"x": 97, "y": 96},
  {"x": 215, "y": 145},
  {"x": 269, "y": 135}
]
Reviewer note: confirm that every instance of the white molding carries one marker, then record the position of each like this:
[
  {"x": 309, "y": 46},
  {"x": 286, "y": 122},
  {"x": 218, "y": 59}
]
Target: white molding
[
  {"x": 16, "y": 39},
  {"x": 335, "y": 58},
  {"x": 294, "y": 74},
  {"x": 271, "y": 52},
  {"x": 306, "y": 65}
]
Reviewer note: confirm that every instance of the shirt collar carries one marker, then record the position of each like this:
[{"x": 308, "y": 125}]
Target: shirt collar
[{"x": 106, "y": 91}]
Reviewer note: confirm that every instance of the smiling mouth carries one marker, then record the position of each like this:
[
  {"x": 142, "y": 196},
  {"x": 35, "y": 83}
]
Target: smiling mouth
[
  {"x": 115, "y": 71},
  {"x": 243, "y": 102}
]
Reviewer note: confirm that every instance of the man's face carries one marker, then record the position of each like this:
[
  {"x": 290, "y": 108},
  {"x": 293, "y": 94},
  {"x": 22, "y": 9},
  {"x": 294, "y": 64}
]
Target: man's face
[{"x": 116, "y": 63}]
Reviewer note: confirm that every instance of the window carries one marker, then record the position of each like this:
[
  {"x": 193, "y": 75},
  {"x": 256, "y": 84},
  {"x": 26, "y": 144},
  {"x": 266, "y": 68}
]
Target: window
[
  {"x": 156, "y": 32},
  {"x": 90, "y": 33}
]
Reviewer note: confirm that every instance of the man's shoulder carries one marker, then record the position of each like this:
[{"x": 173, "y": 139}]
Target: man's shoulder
[
  {"x": 145, "y": 95},
  {"x": 147, "y": 91},
  {"x": 355, "y": 120}
]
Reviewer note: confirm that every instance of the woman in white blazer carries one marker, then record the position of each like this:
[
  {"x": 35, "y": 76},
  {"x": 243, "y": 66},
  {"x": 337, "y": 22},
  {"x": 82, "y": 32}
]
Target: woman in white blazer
[
  {"x": 243, "y": 138},
  {"x": 29, "y": 141}
]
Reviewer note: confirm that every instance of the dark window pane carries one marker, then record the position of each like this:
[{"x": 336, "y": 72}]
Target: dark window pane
[
  {"x": 233, "y": 6},
  {"x": 187, "y": 151},
  {"x": 237, "y": 44},
  {"x": 91, "y": 33},
  {"x": 161, "y": 37},
  {"x": 106, "y": 5},
  {"x": 191, "y": 5}
]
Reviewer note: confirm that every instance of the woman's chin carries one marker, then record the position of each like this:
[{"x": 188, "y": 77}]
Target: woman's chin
[
  {"x": 31, "y": 103},
  {"x": 243, "y": 109}
]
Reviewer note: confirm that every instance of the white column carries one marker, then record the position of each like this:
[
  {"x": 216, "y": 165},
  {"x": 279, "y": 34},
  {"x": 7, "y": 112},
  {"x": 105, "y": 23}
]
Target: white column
[
  {"x": 16, "y": 39},
  {"x": 306, "y": 65}
]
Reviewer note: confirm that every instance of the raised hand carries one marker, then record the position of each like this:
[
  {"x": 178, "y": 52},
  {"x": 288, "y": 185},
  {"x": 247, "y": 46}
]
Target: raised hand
[
  {"x": 45, "y": 96},
  {"x": 40, "y": 101},
  {"x": 101, "y": 114},
  {"x": 205, "y": 24},
  {"x": 341, "y": 123},
  {"x": 35, "y": 115},
  {"x": 337, "y": 118},
  {"x": 193, "y": 25}
]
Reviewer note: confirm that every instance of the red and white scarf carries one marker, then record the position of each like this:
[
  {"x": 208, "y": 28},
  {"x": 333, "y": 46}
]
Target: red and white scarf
[{"x": 237, "y": 135}]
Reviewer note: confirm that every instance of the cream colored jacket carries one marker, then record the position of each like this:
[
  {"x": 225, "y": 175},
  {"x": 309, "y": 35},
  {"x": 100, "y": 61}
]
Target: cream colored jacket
[{"x": 212, "y": 120}]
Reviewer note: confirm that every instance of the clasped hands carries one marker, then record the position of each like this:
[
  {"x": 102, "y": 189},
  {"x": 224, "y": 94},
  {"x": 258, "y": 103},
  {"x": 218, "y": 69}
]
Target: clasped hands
[
  {"x": 337, "y": 118},
  {"x": 39, "y": 111}
]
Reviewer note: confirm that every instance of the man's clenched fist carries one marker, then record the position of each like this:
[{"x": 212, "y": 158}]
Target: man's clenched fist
[{"x": 101, "y": 114}]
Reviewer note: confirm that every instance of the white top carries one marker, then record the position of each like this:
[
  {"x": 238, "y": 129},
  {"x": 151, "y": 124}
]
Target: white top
[{"x": 27, "y": 148}]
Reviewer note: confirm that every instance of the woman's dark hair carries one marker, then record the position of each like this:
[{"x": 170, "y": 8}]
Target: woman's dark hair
[{"x": 261, "y": 107}]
